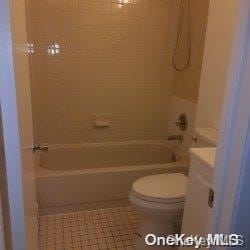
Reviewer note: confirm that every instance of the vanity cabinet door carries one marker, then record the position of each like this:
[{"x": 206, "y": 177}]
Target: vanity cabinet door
[{"x": 197, "y": 211}]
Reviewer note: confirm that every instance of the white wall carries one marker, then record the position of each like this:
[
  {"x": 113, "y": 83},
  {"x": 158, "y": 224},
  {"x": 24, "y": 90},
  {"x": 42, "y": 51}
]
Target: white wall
[{"x": 220, "y": 30}]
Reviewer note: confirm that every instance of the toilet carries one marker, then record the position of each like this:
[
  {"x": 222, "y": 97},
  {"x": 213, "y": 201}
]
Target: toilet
[{"x": 159, "y": 199}]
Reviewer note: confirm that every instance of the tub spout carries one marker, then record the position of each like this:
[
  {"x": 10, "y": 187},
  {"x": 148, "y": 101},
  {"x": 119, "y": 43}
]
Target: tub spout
[{"x": 175, "y": 138}]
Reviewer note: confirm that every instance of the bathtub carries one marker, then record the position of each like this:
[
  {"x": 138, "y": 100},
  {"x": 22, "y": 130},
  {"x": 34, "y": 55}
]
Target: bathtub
[{"x": 97, "y": 175}]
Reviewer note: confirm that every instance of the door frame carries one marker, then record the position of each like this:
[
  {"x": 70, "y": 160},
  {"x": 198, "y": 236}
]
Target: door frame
[
  {"x": 230, "y": 166},
  {"x": 8, "y": 102},
  {"x": 4, "y": 214}
]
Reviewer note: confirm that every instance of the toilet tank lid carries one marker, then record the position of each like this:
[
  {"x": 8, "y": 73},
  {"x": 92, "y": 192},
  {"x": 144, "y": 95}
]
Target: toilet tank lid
[{"x": 162, "y": 186}]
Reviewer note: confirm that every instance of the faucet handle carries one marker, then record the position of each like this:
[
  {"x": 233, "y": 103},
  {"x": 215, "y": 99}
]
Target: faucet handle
[
  {"x": 182, "y": 122},
  {"x": 178, "y": 123}
]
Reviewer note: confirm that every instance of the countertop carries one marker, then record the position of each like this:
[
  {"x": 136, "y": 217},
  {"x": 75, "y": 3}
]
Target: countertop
[{"x": 205, "y": 155}]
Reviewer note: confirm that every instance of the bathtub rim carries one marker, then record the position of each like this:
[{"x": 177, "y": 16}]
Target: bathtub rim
[
  {"x": 42, "y": 172},
  {"x": 94, "y": 144}
]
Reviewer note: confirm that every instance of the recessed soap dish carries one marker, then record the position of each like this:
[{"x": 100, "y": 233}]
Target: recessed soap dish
[{"x": 102, "y": 120}]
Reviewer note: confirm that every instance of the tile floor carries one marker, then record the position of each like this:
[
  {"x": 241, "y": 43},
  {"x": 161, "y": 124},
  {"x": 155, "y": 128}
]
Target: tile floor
[{"x": 110, "y": 228}]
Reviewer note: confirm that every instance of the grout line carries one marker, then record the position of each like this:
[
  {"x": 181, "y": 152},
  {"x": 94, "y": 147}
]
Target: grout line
[{"x": 110, "y": 228}]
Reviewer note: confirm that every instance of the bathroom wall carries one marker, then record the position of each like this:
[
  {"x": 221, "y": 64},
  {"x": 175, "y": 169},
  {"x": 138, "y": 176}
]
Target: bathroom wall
[
  {"x": 186, "y": 83},
  {"x": 101, "y": 57},
  {"x": 178, "y": 106},
  {"x": 216, "y": 62}
]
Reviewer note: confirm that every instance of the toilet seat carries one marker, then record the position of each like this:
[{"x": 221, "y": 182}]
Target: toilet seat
[{"x": 161, "y": 188}]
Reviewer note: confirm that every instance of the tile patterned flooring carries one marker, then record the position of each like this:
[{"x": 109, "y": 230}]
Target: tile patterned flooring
[{"x": 110, "y": 228}]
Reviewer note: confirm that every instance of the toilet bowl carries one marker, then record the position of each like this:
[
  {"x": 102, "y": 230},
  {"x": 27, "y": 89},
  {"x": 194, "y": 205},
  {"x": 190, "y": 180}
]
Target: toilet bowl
[{"x": 159, "y": 199}]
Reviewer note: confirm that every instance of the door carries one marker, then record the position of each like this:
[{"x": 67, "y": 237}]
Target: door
[
  {"x": 15, "y": 100},
  {"x": 2, "y": 241}
]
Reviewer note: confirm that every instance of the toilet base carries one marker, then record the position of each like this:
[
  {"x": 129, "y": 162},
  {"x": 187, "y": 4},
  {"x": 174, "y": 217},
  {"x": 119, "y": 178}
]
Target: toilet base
[
  {"x": 152, "y": 227},
  {"x": 159, "y": 218}
]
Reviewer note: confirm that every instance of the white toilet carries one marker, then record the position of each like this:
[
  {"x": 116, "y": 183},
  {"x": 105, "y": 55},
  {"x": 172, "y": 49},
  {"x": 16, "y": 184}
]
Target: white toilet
[{"x": 160, "y": 201}]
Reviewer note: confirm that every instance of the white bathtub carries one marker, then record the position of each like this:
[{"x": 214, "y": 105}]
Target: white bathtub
[{"x": 99, "y": 174}]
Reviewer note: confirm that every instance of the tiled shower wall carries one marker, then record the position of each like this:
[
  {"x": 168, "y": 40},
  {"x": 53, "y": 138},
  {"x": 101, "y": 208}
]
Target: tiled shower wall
[{"x": 110, "y": 57}]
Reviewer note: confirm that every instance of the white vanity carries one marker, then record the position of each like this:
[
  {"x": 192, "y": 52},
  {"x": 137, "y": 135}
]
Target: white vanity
[{"x": 199, "y": 198}]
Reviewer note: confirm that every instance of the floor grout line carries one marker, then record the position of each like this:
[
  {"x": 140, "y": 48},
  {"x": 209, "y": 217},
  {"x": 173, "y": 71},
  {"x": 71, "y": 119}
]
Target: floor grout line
[{"x": 109, "y": 228}]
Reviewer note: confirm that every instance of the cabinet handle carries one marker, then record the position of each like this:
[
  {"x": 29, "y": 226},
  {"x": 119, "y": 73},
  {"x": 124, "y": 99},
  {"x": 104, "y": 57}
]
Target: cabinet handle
[{"x": 211, "y": 198}]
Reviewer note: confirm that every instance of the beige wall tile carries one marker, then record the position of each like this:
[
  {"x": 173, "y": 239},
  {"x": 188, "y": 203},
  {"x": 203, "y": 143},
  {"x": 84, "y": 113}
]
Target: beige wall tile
[{"x": 115, "y": 57}]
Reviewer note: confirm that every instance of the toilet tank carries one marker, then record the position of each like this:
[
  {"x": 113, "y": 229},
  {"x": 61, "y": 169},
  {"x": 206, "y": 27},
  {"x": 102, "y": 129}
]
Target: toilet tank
[{"x": 205, "y": 137}]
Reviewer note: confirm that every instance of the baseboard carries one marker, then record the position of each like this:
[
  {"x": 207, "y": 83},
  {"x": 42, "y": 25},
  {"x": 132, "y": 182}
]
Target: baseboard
[{"x": 83, "y": 207}]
